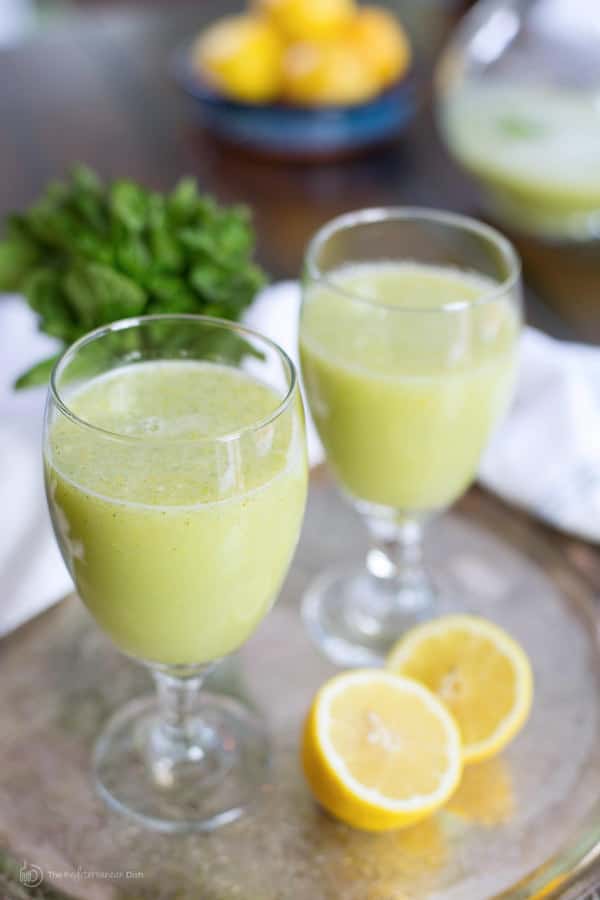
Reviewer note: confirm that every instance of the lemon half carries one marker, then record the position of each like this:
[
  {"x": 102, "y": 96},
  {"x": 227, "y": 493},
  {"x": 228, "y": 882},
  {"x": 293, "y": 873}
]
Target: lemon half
[
  {"x": 380, "y": 751},
  {"x": 478, "y": 671}
]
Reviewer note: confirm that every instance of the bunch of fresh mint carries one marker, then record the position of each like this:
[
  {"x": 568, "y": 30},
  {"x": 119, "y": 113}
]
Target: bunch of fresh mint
[{"x": 87, "y": 254}]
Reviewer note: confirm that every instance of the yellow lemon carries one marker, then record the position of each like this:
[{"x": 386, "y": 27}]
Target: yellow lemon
[
  {"x": 481, "y": 674},
  {"x": 380, "y": 751},
  {"x": 300, "y": 20},
  {"x": 327, "y": 73},
  {"x": 242, "y": 57},
  {"x": 379, "y": 37}
]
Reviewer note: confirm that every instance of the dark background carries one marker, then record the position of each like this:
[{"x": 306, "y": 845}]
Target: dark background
[{"x": 92, "y": 83}]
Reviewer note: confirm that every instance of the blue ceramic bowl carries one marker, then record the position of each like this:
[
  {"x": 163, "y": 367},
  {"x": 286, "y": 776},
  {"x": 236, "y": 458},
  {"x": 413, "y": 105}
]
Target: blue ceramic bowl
[{"x": 297, "y": 132}]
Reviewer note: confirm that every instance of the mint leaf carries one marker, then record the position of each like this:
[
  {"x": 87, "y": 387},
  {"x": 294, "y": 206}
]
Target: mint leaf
[
  {"x": 38, "y": 374},
  {"x": 86, "y": 254}
]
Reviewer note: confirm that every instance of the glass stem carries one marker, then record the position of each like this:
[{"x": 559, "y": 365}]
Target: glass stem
[
  {"x": 395, "y": 560},
  {"x": 178, "y": 736}
]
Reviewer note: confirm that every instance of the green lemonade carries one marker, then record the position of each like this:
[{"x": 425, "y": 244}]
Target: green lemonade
[
  {"x": 405, "y": 397},
  {"x": 536, "y": 149},
  {"x": 178, "y": 543}
]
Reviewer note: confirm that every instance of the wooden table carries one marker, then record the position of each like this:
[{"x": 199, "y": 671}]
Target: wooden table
[{"x": 98, "y": 90}]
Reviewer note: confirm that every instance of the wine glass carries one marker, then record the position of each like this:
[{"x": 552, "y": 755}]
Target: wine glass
[
  {"x": 408, "y": 344},
  {"x": 176, "y": 478}
]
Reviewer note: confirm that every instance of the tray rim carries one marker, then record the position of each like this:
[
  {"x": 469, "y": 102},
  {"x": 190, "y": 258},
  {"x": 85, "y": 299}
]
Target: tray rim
[{"x": 574, "y": 858}]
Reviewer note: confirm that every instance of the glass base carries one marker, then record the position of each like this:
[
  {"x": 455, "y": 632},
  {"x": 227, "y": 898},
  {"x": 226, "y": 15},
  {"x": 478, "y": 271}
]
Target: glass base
[
  {"x": 355, "y": 618},
  {"x": 211, "y": 779}
]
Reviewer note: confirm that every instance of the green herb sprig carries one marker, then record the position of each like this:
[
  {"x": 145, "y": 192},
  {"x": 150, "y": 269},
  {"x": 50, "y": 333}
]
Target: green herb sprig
[{"x": 87, "y": 254}]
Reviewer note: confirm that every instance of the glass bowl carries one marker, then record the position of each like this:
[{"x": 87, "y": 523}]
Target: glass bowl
[{"x": 518, "y": 100}]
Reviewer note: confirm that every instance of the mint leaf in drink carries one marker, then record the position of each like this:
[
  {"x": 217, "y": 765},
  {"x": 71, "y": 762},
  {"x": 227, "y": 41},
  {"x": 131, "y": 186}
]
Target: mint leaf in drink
[{"x": 519, "y": 127}]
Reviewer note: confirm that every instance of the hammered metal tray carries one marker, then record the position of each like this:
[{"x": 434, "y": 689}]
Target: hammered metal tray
[{"x": 520, "y": 826}]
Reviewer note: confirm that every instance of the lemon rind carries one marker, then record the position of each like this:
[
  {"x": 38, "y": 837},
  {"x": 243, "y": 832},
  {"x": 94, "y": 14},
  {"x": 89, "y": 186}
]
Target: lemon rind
[
  {"x": 419, "y": 802},
  {"x": 511, "y": 724}
]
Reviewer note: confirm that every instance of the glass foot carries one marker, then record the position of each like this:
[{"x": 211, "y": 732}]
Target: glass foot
[
  {"x": 355, "y": 618},
  {"x": 174, "y": 782}
]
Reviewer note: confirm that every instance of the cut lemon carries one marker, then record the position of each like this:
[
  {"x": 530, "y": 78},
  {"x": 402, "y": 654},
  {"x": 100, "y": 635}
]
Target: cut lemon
[
  {"x": 380, "y": 751},
  {"x": 479, "y": 672}
]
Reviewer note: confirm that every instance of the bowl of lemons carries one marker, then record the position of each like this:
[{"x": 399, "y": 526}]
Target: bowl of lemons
[{"x": 303, "y": 79}]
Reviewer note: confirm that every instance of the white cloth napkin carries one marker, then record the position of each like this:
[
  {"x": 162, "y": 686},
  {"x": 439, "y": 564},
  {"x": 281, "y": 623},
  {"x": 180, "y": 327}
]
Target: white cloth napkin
[
  {"x": 545, "y": 458},
  {"x": 32, "y": 573}
]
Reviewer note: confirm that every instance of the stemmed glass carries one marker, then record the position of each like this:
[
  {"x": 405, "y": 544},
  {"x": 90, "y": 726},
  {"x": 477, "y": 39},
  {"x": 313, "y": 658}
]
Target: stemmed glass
[
  {"x": 408, "y": 342},
  {"x": 176, "y": 478}
]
